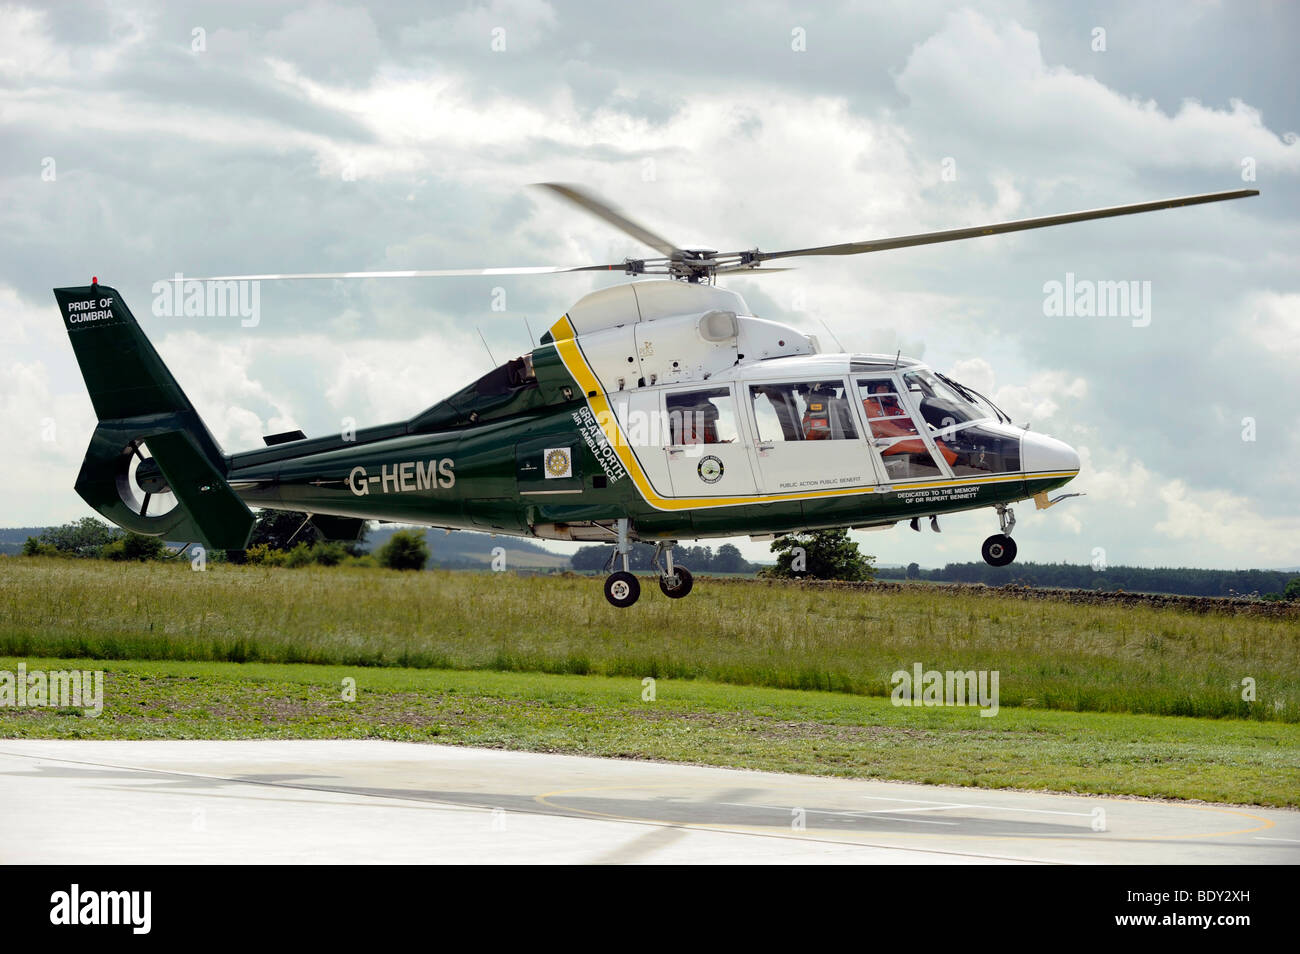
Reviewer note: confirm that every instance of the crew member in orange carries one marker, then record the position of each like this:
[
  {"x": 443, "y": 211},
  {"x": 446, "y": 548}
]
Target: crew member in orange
[
  {"x": 817, "y": 418},
  {"x": 890, "y": 420}
]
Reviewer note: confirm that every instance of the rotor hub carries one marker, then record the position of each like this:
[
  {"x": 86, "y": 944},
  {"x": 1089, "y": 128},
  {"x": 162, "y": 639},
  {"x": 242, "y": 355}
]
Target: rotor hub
[{"x": 150, "y": 478}]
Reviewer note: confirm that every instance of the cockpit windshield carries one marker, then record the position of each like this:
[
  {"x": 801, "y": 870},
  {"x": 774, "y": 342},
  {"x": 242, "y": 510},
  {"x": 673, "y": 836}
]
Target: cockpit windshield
[{"x": 942, "y": 404}]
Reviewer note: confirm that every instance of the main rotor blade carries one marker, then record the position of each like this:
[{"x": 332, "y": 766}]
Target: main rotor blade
[
  {"x": 425, "y": 273},
  {"x": 602, "y": 210},
  {"x": 740, "y": 268},
  {"x": 1020, "y": 225}
]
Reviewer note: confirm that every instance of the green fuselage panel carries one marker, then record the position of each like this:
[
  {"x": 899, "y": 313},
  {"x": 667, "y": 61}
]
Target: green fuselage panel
[
  {"x": 487, "y": 477},
  {"x": 508, "y": 464}
]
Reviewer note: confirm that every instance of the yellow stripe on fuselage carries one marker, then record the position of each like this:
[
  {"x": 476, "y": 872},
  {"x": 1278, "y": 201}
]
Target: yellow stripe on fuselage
[{"x": 566, "y": 344}]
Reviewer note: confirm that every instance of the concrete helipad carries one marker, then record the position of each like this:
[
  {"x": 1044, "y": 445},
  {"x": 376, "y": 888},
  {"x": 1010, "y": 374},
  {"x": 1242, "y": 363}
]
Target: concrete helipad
[{"x": 364, "y": 801}]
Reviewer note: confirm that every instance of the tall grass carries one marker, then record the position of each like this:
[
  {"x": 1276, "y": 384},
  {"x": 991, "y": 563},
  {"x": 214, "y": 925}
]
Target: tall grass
[{"x": 1049, "y": 655}]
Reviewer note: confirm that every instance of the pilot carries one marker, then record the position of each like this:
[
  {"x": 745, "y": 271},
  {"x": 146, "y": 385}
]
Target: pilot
[{"x": 888, "y": 401}]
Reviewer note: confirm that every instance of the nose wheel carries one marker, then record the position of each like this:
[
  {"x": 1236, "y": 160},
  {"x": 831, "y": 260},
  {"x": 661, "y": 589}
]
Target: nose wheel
[{"x": 1000, "y": 549}]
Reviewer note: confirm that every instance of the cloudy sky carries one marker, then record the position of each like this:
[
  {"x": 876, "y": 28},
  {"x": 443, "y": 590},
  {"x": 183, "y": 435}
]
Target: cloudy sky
[{"x": 141, "y": 140}]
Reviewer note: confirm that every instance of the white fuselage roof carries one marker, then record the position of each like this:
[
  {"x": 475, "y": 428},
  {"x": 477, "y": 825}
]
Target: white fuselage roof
[{"x": 656, "y": 333}]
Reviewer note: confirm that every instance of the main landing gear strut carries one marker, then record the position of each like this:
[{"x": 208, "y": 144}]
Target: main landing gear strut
[
  {"x": 623, "y": 589},
  {"x": 1000, "y": 549},
  {"x": 675, "y": 580}
]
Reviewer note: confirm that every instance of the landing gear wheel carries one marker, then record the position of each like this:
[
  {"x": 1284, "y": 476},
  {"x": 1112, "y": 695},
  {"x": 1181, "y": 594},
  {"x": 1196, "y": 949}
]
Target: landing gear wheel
[
  {"x": 622, "y": 589},
  {"x": 998, "y": 550},
  {"x": 683, "y": 585}
]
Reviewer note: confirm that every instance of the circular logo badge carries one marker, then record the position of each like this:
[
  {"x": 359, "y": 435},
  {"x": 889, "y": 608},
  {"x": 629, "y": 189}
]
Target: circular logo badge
[
  {"x": 557, "y": 463},
  {"x": 710, "y": 469}
]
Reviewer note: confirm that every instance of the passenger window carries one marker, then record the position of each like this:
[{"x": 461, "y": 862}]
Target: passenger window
[
  {"x": 806, "y": 411},
  {"x": 702, "y": 417}
]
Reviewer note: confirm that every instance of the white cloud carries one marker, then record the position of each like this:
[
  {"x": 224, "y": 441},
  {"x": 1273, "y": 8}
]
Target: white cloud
[
  {"x": 27, "y": 51},
  {"x": 320, "y": 380},
  {"x": 29, "y": 54},
  {"x": 1038, "y": 400},
  {"x": 1230, "y": 524},
  {"x": 704, "y": 162},
  {"x": 760, "y": 161},
  {"x": 329, "y": 39},
  {"x": 45, "y": 431},
  {"x": 1191, "y": 527},
  {"x": 524, "y": 24},
  {"x": 1274, "y": 324},
  {"x": 215, "y": 375},
  {"x": 988, "y": 78}
]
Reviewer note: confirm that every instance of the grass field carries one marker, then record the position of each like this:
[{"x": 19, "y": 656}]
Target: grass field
[
  {"x": 1049, "y": 655},
  {"x": 1094, "y": 698},
  {"x": 689, "y": 721}
]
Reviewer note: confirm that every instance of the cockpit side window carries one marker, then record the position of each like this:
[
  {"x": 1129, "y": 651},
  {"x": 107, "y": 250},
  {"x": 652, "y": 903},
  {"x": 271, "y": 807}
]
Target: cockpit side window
[{"x": 893, "y": 432}]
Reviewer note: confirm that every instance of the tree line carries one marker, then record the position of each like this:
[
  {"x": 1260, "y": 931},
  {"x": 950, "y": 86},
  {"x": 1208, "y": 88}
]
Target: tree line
[
  {"x": 1185, "y": 581},
  {"x": 726, "y": 559},
  {"x": 280, "y": 538},
  {"x": 816, "y": 555},
  {"x": 283, "y": 538}
]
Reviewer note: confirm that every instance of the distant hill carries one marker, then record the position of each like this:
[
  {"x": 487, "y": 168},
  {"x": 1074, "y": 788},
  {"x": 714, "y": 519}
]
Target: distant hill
[
  {"x": 460, "y": 548},
  {"x": 467, "y": 549},
  {"x": 13, "y": 538}
]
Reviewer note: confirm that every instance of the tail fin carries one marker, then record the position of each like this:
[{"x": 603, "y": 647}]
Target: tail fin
[{"x": 152, "y": 466}]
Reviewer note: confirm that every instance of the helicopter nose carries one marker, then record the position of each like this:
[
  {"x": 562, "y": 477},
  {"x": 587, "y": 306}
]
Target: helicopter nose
[{"x": 1042, "y": 454}]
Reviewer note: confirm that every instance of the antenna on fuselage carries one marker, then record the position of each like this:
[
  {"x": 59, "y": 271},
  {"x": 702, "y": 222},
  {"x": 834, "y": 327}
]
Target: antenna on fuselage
[
  {"x": 896, "y": 357},
  {"x": 839, "y": 344},
  {"x": 485, "y": 345},
  {"x": 532, "y": 342}
]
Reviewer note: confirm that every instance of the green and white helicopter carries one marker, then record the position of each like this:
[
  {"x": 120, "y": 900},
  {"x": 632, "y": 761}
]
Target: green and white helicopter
[{"x": 656, "y": 410}]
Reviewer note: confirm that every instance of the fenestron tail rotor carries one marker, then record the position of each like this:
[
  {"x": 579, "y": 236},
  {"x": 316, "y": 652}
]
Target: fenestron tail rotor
[
  {"x": 141, "y": 484},
  {"x": 694, "y": 264}
]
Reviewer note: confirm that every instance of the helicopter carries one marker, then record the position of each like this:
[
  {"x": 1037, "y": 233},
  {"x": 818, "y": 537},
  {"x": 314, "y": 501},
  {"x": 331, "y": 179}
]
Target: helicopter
[{"x": 656, "y": 410}]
